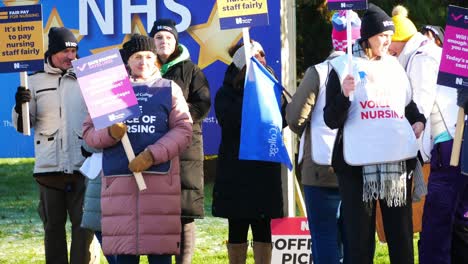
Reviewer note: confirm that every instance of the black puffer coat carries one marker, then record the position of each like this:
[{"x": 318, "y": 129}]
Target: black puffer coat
[
  {"x": 196, "y": 91},
  {"x": 243, "y": 188}
]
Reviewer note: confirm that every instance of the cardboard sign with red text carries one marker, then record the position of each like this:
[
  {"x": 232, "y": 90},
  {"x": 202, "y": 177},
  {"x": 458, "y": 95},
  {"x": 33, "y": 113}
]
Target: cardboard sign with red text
[{"x": 291, "y": 241}]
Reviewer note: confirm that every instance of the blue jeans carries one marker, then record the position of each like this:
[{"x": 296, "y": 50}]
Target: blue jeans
[
  {"x": 322, "y": 214},
  {"x": 152, "y": 259}
]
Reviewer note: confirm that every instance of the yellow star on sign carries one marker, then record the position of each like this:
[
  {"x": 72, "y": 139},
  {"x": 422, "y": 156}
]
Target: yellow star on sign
[
  {"x": 54, "y": 20},
  {"x": 137, "y": 28},
  {"x": 214, "y": 42},
  {"x": 19, "y": 2}
]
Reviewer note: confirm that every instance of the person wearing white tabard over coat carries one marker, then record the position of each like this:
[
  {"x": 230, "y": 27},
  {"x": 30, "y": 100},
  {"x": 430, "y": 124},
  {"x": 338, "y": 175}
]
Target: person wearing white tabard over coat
[
  {"x": 304, "y": 115},
  {"x": 375, "y": 148}
]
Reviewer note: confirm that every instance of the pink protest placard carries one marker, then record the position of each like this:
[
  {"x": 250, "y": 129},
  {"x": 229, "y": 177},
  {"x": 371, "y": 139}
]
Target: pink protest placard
[
  {"x": 106, "y": 88},
  {"x": 453, "y": 70}
]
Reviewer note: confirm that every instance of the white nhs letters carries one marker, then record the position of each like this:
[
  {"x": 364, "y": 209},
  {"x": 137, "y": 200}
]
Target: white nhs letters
[{"x": 106, "y": 21}]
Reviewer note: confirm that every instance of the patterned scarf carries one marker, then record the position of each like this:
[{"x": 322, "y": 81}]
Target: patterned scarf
[{"x": 385, "y": 181}]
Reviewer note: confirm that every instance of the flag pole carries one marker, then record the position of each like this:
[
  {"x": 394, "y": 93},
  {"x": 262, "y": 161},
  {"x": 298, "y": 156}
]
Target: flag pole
[
  {"x": 246, "y": 39},
  {"x": 457, "y": 141},
  {"x": 25, "y": 106},
  {"x": 349, "y": 48}
]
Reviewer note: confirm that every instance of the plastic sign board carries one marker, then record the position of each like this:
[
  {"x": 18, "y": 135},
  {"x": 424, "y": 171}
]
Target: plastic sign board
[
  {"x": 453, "y": 70},
  {"x": 106, "y": 88},
  {"x": 239, "y": 13},
  {"x": 21, "y": 39},
  {"x": 347, "y": 4},
  {"x": 291, "y": 241}
]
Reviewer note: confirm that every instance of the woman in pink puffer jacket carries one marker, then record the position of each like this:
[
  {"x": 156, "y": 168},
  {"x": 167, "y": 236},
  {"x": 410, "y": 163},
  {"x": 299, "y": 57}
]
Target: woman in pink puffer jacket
[{"x": 144, "y": 222}]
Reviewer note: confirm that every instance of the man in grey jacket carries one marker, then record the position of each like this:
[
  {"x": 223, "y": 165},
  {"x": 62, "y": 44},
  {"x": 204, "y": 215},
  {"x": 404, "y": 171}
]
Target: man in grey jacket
[{"x": 57, "y": 111}]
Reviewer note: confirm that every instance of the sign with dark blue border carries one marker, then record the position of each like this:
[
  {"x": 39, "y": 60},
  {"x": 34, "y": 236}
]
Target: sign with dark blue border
[
  {"x": 239, "y": 14},
  {"x": 347, "y": 4},
  {"x": 106, "y": 88},
  {"x": 453, "y": 70},
  {"x": 22, "y": 44}
]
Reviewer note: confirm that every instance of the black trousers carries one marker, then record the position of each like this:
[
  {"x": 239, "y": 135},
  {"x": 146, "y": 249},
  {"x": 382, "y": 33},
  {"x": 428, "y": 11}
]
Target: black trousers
[
  {"x": 239, "y": 228},
  {"x": 55, "y": 206},
  {"x": 359, "y": 219},
  {"x": 460, "y": 244}
]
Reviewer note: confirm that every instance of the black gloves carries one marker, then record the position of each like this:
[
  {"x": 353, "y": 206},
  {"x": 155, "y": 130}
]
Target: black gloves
[
  {"x": 462, "y": 99},
  {"x": 85, "y": 153},
  {"x": 22, "y": 96}
]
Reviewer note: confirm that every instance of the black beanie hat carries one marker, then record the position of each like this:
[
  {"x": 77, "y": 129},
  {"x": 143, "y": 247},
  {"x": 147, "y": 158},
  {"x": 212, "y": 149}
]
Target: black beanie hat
[
  {"x": 137, "y": 43},
  {"x": 375, "y": 21},
  {"x": 61, "y": 38},
  {"x": 166, "y": 25}
]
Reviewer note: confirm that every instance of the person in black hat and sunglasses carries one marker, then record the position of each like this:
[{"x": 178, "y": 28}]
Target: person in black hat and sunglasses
[{"x": 57, "y": 111}]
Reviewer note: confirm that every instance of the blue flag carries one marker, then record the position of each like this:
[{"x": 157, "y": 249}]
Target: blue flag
[{"x": 261, "y": 136}]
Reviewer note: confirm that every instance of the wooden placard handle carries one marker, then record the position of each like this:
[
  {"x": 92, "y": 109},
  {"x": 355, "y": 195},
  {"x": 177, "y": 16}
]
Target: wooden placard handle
[
  {"x": 25, "y": 106},
  {"x": 131, "y": 155},
  {"x": 457, "y": 141}
]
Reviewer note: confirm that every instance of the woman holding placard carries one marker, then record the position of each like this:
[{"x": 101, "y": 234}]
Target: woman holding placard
[
  {"x": 375, "y": 148},
  {"x": 145, "y": 222},
  {"x": 305, "y": 117}
]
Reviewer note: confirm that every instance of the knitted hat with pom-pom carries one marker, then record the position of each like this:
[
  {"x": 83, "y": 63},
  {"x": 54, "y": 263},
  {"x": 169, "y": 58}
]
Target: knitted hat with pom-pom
[
  {"x": 404, "y": 27},
  {"x": 339, "y": 37}
]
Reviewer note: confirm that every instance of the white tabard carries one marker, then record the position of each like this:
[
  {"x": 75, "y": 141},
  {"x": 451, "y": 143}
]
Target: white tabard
[
  {"x": 376, "y": 130},
  {"x": 322, "y": 136}
]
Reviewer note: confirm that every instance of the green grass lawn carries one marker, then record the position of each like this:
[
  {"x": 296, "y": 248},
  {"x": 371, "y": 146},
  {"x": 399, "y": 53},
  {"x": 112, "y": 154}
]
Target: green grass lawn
[{"x": 21, "y": 229}]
